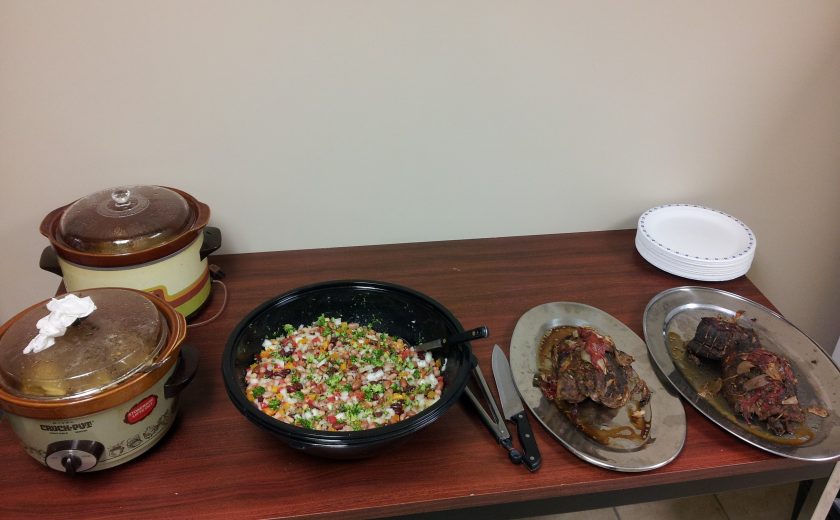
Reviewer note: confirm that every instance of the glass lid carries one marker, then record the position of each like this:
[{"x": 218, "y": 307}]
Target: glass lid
[
  {"x": 118, "y": 339},
  {"x": 124, "y": 220}
]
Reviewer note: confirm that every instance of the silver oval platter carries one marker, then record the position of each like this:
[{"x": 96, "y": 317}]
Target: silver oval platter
[
  {"x": 670, "y": 321},
  {"x": 664, "y": 412}
]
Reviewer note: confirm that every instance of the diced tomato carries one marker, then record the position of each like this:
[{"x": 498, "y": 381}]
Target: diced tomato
[{"x": 596, "y": 346}]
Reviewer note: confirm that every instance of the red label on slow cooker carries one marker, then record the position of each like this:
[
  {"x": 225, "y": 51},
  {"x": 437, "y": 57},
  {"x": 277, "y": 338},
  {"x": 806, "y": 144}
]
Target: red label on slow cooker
[{"x": 141, "y": 410}]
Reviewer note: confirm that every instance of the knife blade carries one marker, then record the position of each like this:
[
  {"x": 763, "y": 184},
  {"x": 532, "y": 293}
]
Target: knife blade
[
  {"x": 461, "y": 337},
  {"x": 513, "y": 409}
]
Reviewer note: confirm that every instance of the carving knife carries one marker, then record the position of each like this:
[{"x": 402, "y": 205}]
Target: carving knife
[{"x": 513, "y": 410}]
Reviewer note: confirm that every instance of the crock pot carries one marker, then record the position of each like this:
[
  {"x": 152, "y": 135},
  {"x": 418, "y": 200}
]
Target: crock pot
[
  {"x": 151, "y": 238},
  {"x": 106, "y": 391}
]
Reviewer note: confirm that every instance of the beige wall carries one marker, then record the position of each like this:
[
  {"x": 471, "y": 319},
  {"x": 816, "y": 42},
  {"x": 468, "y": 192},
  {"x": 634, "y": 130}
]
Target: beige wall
[{"x": 309, "y": 124}]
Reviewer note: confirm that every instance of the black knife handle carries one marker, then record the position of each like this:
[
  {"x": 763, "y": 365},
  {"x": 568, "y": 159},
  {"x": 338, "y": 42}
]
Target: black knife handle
[
  {"x": 467, "y": 335},
  {"x": 531, "y": 454}
]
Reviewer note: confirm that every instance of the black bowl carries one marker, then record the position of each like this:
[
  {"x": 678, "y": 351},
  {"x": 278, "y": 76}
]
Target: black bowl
[{"x": 395, "y": 310}]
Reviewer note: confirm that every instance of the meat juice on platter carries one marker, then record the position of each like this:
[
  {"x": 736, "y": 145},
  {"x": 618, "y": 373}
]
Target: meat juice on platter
[
  {"x": 750, "y": 385},
  {"x": 593, "y": 383}
]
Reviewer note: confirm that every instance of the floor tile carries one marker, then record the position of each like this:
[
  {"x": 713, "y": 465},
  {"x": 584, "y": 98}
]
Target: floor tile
[
  {"x": 692, "y": 508},
  {"x": 607, "y": 513},
  {"x": 768, "y": 503}
]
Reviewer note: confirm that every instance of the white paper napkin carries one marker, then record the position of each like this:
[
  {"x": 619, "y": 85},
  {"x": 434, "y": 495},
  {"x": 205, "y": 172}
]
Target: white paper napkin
[{"x": 63, "y": 312}]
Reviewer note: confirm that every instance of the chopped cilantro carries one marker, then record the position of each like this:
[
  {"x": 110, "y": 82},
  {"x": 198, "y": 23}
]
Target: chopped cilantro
[
  {"x": 258, "y": 391},
  {"x": 372, "y": 391},
  {"x": 334, "y": 380},
  {"x": 352, "y": 410}
]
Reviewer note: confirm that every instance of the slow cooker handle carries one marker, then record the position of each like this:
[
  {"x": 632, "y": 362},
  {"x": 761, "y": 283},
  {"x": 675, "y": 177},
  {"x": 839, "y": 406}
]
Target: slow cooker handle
[
  {"x": 184, "y": 372},
  {"x": 212, "y": 241},
  {"x": 49, "y": 261}
]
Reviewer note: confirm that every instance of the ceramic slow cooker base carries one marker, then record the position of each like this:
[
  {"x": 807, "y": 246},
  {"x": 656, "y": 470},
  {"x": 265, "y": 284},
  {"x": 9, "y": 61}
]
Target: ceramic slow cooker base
[
  {"x": 181, "y": 279},
  {"x": 101, "y": 440}
]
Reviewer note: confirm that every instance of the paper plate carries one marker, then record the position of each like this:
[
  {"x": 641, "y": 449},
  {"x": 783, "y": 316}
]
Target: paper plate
[{"x": 695, "y": 242}]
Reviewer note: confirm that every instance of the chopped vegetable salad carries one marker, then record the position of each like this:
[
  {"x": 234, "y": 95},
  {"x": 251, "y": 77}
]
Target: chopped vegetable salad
[{"x": 338, "y": 376}]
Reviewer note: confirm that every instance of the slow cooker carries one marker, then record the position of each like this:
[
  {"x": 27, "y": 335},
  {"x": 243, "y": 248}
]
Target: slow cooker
[
  {"x": 151, "y": 238},
  {"x": 106, "y": 391}
]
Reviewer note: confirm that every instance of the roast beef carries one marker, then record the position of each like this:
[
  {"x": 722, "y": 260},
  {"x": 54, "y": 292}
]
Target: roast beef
[
  {"x": 579, "y": 364},
  {"x": 715, "y": 337},
  {"x": 761, "y": 385},
  {"x": 757, "y": 384}
]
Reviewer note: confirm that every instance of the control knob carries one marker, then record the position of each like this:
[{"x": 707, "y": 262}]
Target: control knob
[{"x": 73, "y": 456}]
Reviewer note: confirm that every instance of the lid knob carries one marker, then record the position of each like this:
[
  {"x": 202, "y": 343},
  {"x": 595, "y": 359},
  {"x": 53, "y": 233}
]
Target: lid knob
[{"x": 121, "y": 196}]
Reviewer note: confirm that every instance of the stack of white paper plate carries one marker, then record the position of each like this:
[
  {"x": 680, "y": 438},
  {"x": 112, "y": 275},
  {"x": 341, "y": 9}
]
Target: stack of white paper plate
[{"x": 695, "y": 242}]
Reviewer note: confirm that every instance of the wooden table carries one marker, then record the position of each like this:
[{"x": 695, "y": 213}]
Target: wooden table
[{"x": 216, "y": 464}]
